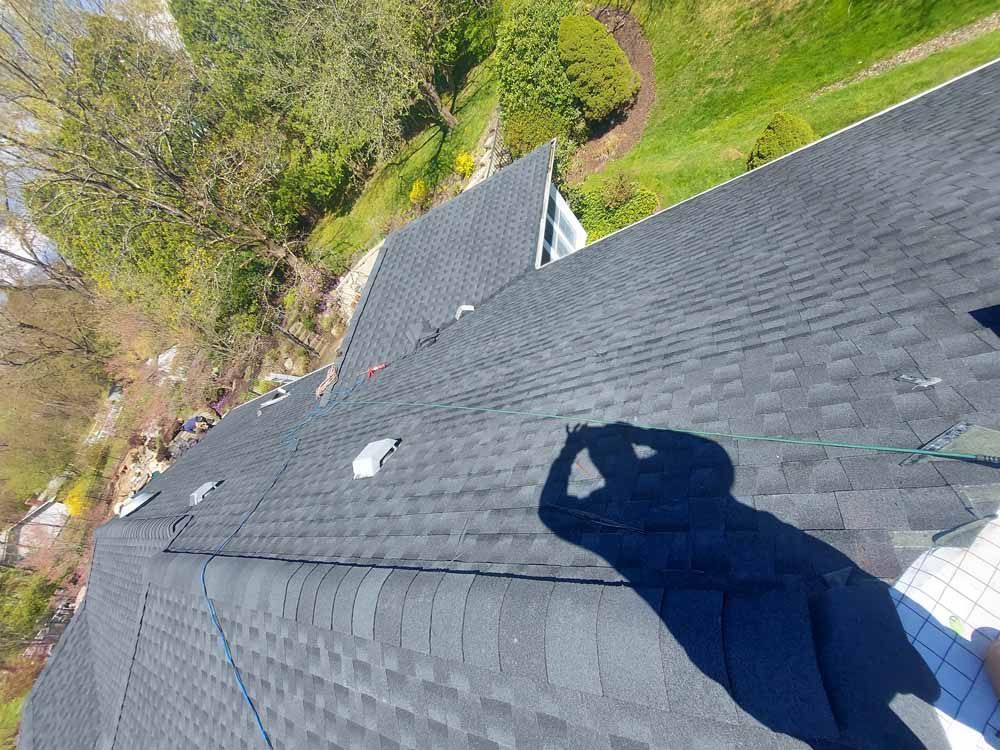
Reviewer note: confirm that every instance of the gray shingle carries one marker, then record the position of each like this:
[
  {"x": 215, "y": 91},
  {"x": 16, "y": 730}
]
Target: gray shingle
[
  {"x": 448, "y": 616},
  {"x": 816, "y": 510},
  {"x": 365, "y": 602},
  {"x": 571, "y": 637},
  {"x": 872, "y": 509},
  {"x": 343, "y": 605},
  {"x": 416, "y": 628},
  {"x": 480, "y": 635},
  {"x": 694, "y": 660},
  {"x": 522, "y": 628},
  {"x": 934, "y": 508},
  {"x": 389, "y": 612},
  {"x": 421, "y": 282},
  {"x": 628, "y": 635},
  {"x": 784, "y": 690}
]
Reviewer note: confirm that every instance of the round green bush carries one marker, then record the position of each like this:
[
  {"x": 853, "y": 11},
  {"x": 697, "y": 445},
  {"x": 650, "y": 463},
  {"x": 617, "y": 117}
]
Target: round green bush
[
  {"x": 783, "y": 134},
  {"x": 603, "y": 80}
]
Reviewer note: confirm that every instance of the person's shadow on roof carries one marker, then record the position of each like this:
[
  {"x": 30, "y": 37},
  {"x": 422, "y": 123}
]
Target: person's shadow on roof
[{"x": 801, "y": 639}]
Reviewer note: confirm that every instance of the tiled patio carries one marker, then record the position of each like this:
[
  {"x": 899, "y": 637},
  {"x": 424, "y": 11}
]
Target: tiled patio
[{"x": 949, "y": 604}]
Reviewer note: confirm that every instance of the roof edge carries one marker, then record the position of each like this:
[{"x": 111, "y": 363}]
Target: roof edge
[
  {"x": 284, "y": 385},
  {"x": 545, "y": 201}
]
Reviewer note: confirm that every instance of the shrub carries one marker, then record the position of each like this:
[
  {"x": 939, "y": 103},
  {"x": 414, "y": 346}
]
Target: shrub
[
  {"x": 419, "y": 193},
  {"x": 783, "y": 134},
  {"x": 464, "y": 165},
  {"x": 531, "y": 76},
  {"x": 24, "y": 602},
  {"x": 603, "y": 80},
  {"x": 526, "y": 129},
  {"x": 19, "y": 673},
  {"x": 77, "y": 500},
  {"x": 618, "y": 192},
  {"x": 609, "y": 208}
]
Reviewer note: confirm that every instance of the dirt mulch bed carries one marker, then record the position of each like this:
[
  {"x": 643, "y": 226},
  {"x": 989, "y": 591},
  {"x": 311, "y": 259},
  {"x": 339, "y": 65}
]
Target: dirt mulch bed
[{"x": 622, "y": 136}]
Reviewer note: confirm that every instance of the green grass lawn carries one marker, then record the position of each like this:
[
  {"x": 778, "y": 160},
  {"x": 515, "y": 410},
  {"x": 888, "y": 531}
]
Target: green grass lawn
[
  {"x": 723, "y": 67},
  {"x": 10, "y": 717},
  {"x": 428, "y": 156}
]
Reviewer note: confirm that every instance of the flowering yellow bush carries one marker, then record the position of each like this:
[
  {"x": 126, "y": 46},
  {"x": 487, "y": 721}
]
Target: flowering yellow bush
[
  {"x": 419, "y": 193},
  {"x": 464, "y": 165},
  {"x": 77, "y": 502}
]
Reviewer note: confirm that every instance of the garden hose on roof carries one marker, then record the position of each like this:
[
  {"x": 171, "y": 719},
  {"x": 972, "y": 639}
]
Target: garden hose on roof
[{"x": 970, "y": 457}]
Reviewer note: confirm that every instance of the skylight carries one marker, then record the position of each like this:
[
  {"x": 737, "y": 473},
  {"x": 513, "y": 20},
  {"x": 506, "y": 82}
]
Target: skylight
[{"x": 563, "y": 234}]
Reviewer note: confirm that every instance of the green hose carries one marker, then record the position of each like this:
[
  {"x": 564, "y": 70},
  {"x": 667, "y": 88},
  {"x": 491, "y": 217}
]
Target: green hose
[{"x": 991, "y": 460}]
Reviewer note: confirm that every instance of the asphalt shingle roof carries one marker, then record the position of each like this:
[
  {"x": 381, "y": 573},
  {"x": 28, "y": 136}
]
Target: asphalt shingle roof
[
  {"x": 461, "y": 253},
  {"x": 511, "y": 581}
]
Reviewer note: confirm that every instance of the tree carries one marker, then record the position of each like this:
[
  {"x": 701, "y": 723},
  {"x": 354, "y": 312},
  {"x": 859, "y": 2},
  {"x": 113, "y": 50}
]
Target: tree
[
  {"x": 137, "y": 169},
  {"x": 464, "y": 35},
  {"x": 27, "y": 258},
  {"x": 103, "y": 119},
  {"x": 24, "y": 602},
  {"x": 346, "y": 72},
  {"x": 40, "y": 325},
  {"x": 52, "y": 356}
]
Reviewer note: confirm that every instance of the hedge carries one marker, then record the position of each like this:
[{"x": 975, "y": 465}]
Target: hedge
[
  {"x": 528, "y": 67},
  {"x": 531, "y": 76},
  {"x": 525, "y": 129}
]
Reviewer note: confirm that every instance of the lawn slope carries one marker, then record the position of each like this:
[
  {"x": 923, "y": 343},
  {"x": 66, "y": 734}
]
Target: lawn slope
[{"x": 724, "y": 67}]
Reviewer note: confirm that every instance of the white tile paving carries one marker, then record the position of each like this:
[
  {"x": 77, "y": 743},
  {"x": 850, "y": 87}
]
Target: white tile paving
[{"x": 949, "y": 604}]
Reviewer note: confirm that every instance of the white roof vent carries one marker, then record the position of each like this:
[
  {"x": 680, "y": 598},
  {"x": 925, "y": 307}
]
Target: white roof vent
[
  {"x": 136, "y": 502},
  {"x": 199, "y": 494},
  {"x": 462, "y": 309},
  {"x": 370, "y": 460}
]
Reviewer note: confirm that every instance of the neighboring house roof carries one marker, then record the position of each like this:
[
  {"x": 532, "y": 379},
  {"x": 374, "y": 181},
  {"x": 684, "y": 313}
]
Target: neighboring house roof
[
  {"x": 37, "y": 530},
  {"x": 40, "y": 529},
  {"x": 507, "y": 580}
]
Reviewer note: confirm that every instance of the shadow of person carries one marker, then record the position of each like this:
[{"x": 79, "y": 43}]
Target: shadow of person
[{"x": 808, "y": 643}]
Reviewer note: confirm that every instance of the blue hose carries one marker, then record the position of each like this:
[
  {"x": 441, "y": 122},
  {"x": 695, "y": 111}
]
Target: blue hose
[{"x": 292, "y": 436}]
